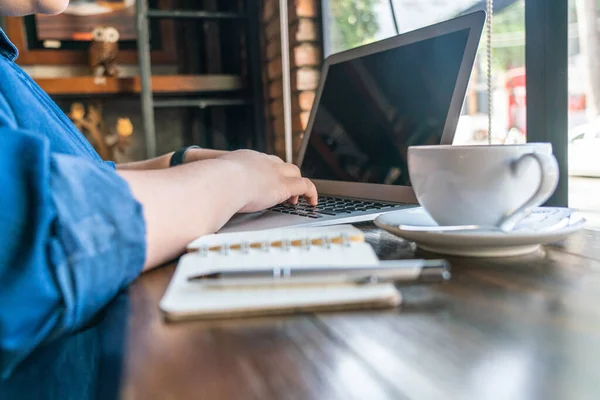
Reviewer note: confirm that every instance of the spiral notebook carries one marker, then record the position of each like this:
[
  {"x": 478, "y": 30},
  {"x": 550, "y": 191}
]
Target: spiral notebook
[{"x": 335, "y": 246}]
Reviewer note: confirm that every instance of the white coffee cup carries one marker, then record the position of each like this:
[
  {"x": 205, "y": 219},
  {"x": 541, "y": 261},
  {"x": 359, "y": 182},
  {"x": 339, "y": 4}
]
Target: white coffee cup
[{"x": 488, "y": 185}]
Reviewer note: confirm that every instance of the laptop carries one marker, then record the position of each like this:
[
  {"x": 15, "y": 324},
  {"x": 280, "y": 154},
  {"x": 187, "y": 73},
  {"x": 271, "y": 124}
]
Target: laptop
[{"x": 372, "y": 103}]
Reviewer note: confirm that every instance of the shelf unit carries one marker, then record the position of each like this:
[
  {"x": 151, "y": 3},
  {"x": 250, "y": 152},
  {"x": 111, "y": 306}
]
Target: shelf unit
[{"x": 246, "y": 93}]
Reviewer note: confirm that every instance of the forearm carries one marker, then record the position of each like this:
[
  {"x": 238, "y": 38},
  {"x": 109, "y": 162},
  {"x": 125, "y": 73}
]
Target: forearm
[
  {"x": 183, "y": 203},
  {"x": 153, "y": 163},
  {"x": 163, "y": 161}
]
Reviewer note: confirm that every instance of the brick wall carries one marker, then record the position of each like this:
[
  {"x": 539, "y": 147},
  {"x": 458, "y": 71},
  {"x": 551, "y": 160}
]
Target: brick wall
[{"x": 305, "y": 60}]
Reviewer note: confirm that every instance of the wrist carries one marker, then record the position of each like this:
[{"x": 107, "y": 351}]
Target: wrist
[{"x": 225, "y": 182}]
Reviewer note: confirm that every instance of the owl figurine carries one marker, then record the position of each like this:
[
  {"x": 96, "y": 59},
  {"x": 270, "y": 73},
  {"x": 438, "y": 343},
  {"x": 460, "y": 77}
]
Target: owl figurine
[
  {"x": 77, "y": 111},
  {"x": 103, "y": 52}
]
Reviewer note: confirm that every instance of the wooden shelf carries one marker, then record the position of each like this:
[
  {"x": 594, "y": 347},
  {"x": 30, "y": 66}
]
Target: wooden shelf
[{"x": 161, "y": 84}]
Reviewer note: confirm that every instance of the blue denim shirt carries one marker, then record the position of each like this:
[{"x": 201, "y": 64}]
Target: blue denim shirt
[{"x": 71, "y": 233}]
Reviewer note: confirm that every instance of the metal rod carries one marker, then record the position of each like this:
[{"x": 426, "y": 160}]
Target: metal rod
[
  {"x": 490, "y": 16},
  {"x": 194, "y": 14},
  {"x": 201, "y": 103},
  {"x": 287, "y": 90},
  {"x": 143, "y": 41},
  {"x": 254, "y": 70},
  {"x": 394, "y": 19}
]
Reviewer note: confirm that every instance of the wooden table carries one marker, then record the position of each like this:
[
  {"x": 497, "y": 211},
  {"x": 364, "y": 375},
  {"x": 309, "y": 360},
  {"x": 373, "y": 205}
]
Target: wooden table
[{"x": 520, "y": 328}]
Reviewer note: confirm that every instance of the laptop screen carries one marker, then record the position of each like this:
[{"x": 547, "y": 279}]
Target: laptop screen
[{"x": 372, "y": 108}]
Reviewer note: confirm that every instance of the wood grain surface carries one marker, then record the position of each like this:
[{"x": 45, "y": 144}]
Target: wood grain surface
[{"x": 518, "y": 328}]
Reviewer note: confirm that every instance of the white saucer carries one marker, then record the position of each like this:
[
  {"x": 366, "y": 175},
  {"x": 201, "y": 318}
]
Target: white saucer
[{"x": 543, "y": 225}]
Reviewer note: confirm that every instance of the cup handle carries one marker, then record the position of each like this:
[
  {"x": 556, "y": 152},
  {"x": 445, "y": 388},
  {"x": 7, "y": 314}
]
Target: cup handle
[{"x": 548, "y": 182}]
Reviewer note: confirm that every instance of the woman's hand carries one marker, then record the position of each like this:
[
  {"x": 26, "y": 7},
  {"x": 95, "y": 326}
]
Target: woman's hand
[
  {"x": 199, "y": 197},
  {"x": 266, "y": 180}
]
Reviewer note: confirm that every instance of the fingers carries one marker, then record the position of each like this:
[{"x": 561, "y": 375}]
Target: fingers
[
  {"x": 312, "y": 195},
  {"x": 293, "y": 200},
  {"x": 292, "y": 171},
  {"x": 303, "y": 187}
]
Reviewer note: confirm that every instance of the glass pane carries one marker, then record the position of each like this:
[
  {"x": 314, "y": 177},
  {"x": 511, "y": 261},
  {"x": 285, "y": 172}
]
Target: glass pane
[
  {"x": 584, "y": 109},
  {"x": 351, "y": 23}
]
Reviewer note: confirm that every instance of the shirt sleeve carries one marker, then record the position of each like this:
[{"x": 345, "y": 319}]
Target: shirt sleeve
[{"x": 71, "y": 237}]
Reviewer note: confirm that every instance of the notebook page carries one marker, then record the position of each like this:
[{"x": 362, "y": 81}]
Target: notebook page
[
  {"x": 185, "y": 297},
  {"x": 190, "y": 298},
  {"x": 335, "y": 256},
  {"x": 189, "y": 301},
  {"x": 331, "y": 255},
  {"x": 273, "y": 235}
]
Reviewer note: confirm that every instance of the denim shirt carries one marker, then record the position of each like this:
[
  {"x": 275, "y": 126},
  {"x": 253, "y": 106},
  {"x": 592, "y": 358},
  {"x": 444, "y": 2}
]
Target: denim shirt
[{"x": 71, "y": 233}]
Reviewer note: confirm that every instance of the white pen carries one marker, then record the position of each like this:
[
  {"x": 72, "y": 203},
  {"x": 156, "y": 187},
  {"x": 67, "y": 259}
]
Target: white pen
[{"x": 398, "y": 272}]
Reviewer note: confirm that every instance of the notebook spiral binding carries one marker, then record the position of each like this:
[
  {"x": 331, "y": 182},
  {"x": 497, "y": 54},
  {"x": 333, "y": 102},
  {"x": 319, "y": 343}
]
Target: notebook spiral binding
[{"x": 286, "y": 245}]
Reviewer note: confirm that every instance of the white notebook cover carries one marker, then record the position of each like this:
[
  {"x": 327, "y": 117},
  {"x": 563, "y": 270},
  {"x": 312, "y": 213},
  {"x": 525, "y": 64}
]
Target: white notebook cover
[{"x": 184, "y": 299}]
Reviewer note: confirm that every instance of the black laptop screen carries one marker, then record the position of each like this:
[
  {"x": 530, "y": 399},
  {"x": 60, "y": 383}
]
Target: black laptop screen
[{"x": 372, "y": 108}]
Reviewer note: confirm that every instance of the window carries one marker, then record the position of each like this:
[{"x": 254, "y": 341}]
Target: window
[
  {"x": 578, "y": 138},
  {"x": 351, "y": 23},
  {"x": 584, "y": 109}
]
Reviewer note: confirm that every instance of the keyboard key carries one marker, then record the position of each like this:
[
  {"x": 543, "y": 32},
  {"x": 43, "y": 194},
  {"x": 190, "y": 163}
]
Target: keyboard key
[{"x": 329, "y": 206}]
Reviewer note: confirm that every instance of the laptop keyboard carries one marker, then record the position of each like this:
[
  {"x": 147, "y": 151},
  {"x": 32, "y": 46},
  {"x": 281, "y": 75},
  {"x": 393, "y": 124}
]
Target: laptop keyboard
[{"x": 330, "y": 206}]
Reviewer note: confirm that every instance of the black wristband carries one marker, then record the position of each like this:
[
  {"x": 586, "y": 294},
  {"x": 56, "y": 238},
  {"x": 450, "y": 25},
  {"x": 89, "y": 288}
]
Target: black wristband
[{"x": 178, "y": 157}]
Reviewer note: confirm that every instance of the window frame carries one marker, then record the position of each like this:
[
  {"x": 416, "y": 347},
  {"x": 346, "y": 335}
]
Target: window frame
[{"x": 546, "y": 66}]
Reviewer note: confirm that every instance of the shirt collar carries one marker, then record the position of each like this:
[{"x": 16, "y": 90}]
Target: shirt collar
[{"x": 7, "y": 49}]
